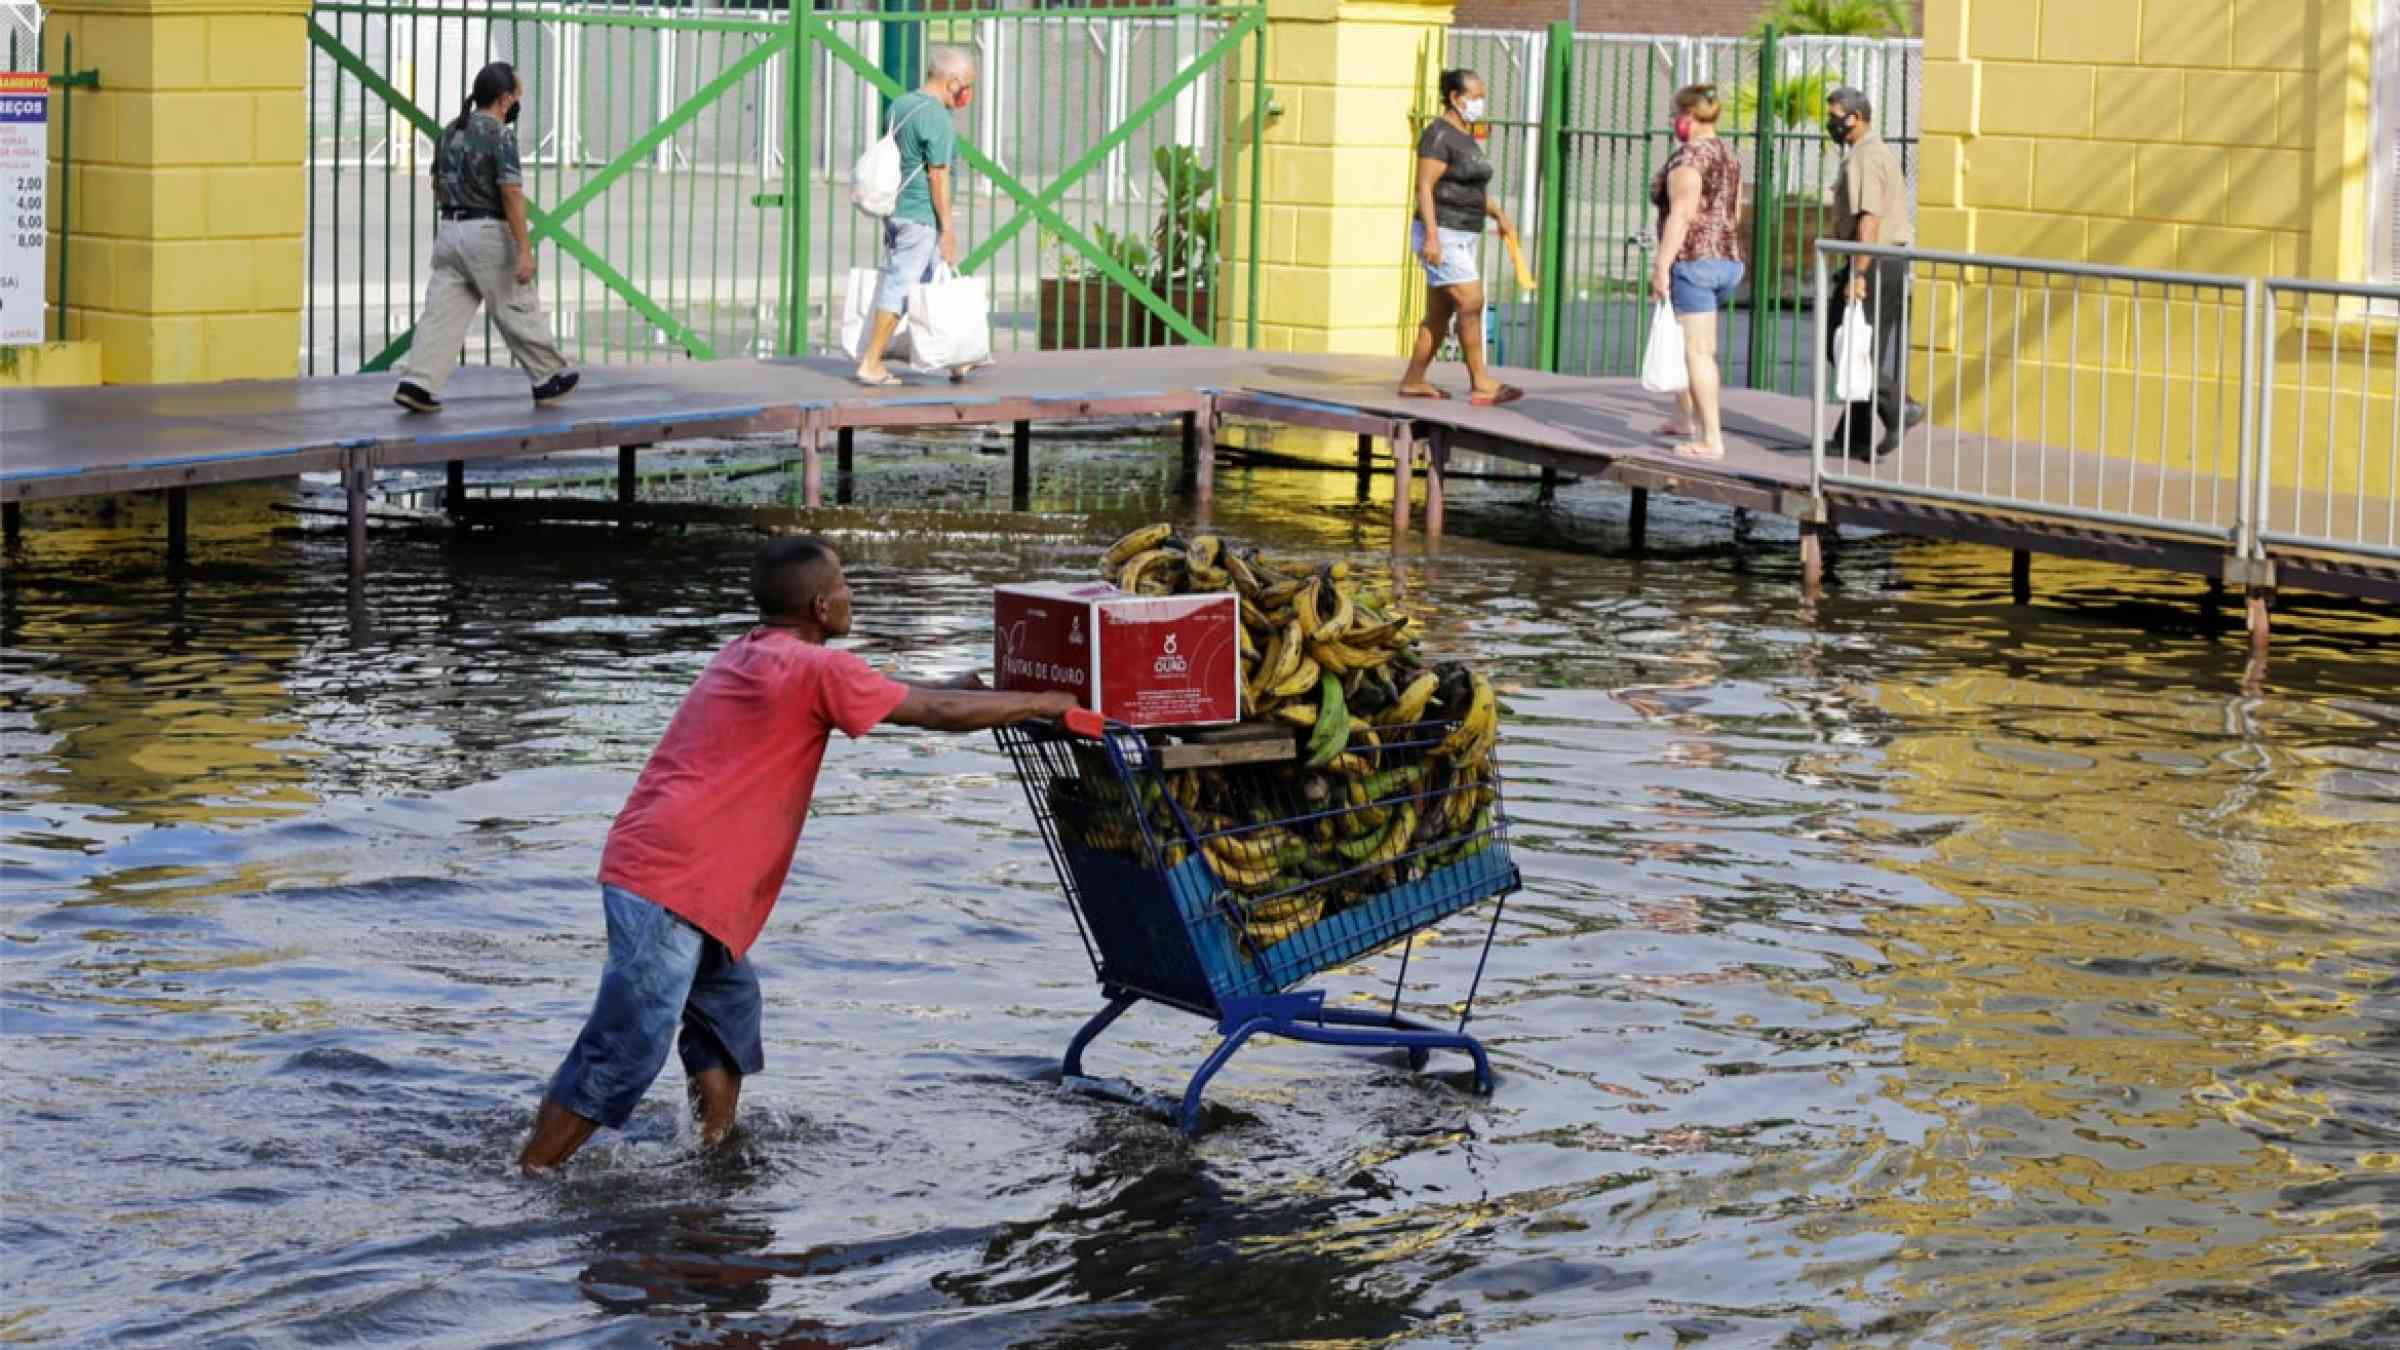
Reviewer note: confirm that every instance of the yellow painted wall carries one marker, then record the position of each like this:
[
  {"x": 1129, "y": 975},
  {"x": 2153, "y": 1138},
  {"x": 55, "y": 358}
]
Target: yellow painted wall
[
  {"x": 1332, "y": 246},
  {"x": 190, "y": 200},
  {"x": 51, "y": 365},
  {"x": 2215, "y": 136}
]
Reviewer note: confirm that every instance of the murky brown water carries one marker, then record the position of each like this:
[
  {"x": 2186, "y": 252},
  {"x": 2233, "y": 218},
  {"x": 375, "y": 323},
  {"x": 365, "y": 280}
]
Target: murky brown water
[{"x": 1934, "y": 973}]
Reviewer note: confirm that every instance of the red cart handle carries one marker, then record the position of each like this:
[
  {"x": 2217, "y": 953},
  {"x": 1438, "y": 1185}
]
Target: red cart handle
[{"x": 1085, "y": 723}]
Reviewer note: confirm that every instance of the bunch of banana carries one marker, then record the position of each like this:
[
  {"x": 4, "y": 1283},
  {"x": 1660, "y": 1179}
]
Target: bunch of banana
[{"x": 1363, "y": 806}]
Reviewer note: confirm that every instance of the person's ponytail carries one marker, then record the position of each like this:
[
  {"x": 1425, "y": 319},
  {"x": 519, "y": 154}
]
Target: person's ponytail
[{"x": 492, "y": 83}]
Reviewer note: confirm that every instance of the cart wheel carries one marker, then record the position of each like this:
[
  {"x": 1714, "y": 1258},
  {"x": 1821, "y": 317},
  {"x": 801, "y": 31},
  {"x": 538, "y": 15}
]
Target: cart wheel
[{"x": 1417, "y": 1059}]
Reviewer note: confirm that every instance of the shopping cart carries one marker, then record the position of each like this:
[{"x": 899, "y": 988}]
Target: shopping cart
[{"x": 1215, "y": 886}]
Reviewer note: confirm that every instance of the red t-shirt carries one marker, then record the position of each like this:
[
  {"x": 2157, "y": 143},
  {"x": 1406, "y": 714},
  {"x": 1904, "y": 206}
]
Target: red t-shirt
[{"x": 709, "y": 830}]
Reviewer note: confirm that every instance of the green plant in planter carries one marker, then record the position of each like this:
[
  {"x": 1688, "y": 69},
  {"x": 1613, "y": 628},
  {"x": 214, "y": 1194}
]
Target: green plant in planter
[
  {"x": 1178, "y": 256},
  {"x": 1835, "y": 18}
]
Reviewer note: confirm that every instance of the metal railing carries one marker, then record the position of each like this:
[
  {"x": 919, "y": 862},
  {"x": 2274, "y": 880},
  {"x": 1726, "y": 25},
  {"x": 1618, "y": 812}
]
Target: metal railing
[
  {"x": 2329, "y": 419},
  {"x": 1579, "y": 131},
  {"x": 660, "y": 135},
  {"x": 2253, "y": 415}
]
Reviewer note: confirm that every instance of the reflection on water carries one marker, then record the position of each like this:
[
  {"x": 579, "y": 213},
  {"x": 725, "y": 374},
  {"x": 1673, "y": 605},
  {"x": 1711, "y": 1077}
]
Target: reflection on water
[{"x": 1939, "y": 971}]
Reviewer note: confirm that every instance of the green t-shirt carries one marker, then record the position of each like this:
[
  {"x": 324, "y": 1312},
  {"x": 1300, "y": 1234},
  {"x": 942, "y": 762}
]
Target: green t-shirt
[
  {"x": 472, "y": 163},
  {"x": 927, "y": 140}
]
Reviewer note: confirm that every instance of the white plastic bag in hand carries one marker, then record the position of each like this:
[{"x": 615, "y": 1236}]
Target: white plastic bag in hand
[
  {"x": 858, "y": 316},
  {"x": 1854, "y": 358},
  {"x": 1663, "y": 370},
  {"x": 949, "y": 322}
]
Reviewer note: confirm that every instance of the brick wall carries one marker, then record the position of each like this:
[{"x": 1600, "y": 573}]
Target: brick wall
[{"x": 1688, "y": 18}]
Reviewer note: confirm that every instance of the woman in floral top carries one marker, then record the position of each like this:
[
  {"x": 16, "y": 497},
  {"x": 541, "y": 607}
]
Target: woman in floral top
[{"x": 1698, "y": 193}]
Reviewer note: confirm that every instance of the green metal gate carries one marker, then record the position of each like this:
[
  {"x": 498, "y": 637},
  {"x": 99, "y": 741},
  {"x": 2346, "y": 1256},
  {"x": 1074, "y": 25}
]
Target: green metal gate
[
  {"x": 687, "y": 169},
  {"x": 1579, "y": 129}
]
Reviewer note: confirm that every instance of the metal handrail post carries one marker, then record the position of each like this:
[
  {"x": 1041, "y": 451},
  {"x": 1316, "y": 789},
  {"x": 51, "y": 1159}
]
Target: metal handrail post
[
  {"x": 1766, "y": 213},
  {"x": 2250, "y": 508},
  {"x": 797, "y": 181},
  {"x": 2257, "y": 414},
  {"x": 1816, "y": 406}
]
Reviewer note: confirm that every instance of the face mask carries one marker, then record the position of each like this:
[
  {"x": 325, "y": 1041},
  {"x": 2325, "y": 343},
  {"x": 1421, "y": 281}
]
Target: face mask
[
  {"x": 1474, "y": 109},
  {"x": 1837, "y": 127},
  {"x": 1683, "y": 128},
  {"x": 964, "y": 96},
  {"x": 513, "y": 110}
]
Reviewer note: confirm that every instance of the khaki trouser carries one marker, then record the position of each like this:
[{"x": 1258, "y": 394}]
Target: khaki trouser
[{"x": 475, "y": 263}]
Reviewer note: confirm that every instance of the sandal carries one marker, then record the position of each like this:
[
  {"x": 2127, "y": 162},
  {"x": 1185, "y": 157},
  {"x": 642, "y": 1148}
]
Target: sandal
[
  {"x": 1507, "y": 393},
  {"x": 1428, "y": 391},
  {"x": 889, "y": 381},
  {"x": 1698, "y": 450}
]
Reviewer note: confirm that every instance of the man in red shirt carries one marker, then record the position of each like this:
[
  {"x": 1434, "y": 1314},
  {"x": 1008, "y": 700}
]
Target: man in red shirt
[{"x": 697, "y": 857}]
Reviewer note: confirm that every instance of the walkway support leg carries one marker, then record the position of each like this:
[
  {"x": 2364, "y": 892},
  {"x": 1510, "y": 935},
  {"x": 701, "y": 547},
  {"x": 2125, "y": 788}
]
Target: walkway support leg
[
  {"x": 812, "y": 469},
  {"x": 1437, "y": 459},
  {"x": 2260, "y": 600},
  {"x": 845, "y": 450},
  {"x": 1549, "y": 488},
  {"x": 454, "y": 491},
  {"x": 354, "y": 483},
  {"x": 1366, "y": 466},
  {"x": 1637, "y": 524},
  {"x": 1200, "y": 434},
  {"x": 1812, "y": 560},
  {"x": 12, "y": 524},
  {"x": 1404, "y": 468},
  {"x": 2020, "y": 576},
  {"x": 179, "y": 526},
  {"x": 1020, "y": 465},
  {"x": 628, "y": 484}
]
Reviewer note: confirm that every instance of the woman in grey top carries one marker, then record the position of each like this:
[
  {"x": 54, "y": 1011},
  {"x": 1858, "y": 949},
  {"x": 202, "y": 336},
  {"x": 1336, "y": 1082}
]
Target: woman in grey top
[{"x": 1453, "y": 200}]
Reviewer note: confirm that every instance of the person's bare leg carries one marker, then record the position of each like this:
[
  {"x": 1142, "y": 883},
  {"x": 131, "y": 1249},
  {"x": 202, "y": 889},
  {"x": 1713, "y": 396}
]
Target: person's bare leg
[
  {"x": 1430, "y": 331},
  {"x": 714, "y": 1093},
  {"x": 1468, "y": 297},
  {"x": 1679, "y": 423},
  {"x": 557, "y": 1133},
  {"x": 1700, "y": 360},
  {"x": 870, "y": 362}
]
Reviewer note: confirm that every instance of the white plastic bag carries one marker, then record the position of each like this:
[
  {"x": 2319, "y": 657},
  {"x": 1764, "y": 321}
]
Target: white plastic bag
[
  {"x": 1663, "y": 370},
  {"x": 1854, "y": 358},
  {"x": 949, "y": 322},
  {"x": 858, "y": 316}
]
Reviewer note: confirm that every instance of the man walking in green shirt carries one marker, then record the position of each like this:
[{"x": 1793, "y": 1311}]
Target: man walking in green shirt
[{"x": 921, "y": 226}]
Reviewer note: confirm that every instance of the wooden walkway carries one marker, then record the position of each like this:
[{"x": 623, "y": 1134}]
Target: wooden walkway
[{"x": 83, "y": 442}]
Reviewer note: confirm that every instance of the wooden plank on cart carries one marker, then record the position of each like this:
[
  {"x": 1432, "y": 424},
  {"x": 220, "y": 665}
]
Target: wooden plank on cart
[{"x": 1221, "y": 747}]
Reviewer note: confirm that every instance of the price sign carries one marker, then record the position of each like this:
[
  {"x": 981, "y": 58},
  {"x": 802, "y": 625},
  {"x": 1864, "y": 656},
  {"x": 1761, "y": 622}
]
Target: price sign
[{"x": 24, "y": 187}]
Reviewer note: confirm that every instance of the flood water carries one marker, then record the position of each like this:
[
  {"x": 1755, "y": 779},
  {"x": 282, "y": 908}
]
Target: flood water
[{"x": 1929, "y": 972}]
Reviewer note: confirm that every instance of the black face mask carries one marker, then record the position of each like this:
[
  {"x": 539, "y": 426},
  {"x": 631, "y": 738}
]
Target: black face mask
[
  {"x": 1837, "y": 128},
  {"x": 513, "y": 110}
]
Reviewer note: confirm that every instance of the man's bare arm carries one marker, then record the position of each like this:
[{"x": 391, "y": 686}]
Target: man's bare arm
[{"x": 976, "y": 709}]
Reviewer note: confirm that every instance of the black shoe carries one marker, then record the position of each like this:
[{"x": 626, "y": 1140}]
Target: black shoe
[
  {"x": 555, "y": 388},
  {"x": 1911, "y": 417},
  {"x": 415, "y": 399}
]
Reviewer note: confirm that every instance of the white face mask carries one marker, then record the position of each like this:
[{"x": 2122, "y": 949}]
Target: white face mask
[{"x": 1473, "y": 109}]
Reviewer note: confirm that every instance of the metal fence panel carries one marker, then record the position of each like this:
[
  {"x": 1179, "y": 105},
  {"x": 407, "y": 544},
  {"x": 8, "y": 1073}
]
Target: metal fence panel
[{"x": 2329, "y": 420}]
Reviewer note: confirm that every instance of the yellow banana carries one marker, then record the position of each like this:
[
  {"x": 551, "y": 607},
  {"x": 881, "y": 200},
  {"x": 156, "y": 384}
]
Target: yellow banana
[
  {"x": 1299, "y": 908},
  {"x": 1139, "y": 541},
  {"x": 1413, "y": 700},
  {"x": 1206, "y": 578},
  {"x": 1204, "y": 549},
  {"x": 1350, "y": 764},
  {"x": 1292, "y": 656},
  {"x": 1302, "y": 679},
  {"x": 1470, "y": 727},
  {"x": 1395, "y": 843},
  {"x": 1237, "y": 875},
  {"x": 1304, "y": 608},
  {"x": 1301, "y": 714},
  {"x": 1345, "y": 613},
  {"x": 1129, "y": 576}
]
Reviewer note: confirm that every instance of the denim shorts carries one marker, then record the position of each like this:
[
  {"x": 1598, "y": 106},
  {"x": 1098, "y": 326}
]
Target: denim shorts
[
  {"x": 1459, "y": 255},
  {"x": 662, "y": 974},
  {"x": 1705, "y": 286},
  {"x": 909, "y": 250}
]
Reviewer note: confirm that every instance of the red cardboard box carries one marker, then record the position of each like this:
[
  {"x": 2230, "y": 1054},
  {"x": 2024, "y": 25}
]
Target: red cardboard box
[{"x": 1148, "y": 661}]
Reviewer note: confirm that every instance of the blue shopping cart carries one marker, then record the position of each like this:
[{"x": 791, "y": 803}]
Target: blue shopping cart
[{"x": 1215, "y": 877}]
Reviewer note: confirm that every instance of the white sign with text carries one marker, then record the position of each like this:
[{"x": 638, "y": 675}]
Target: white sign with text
[{"x": 24, "y": 186}]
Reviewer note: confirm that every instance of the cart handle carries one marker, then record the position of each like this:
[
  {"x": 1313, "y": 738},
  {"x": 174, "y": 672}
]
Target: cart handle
[{"x": 1085, "y": 723}]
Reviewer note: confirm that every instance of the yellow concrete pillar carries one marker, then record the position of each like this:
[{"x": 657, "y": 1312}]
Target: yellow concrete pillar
[
  {"x": 1332, "y": 242},
  {"x": 190, "y": 203}
]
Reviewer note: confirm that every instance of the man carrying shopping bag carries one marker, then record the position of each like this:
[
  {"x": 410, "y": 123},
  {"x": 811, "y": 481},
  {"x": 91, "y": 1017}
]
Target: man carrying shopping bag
[
  {"x": 921, "y": 226},
  {"x": 1871, "y": 205}
]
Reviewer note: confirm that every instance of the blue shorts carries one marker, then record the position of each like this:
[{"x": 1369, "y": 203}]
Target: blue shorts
[
  {"x": 662, "y": 974},
  {"x": 909, "y": 250},
  {"x": 1704, "y": 287},
  {"x": 1461, "y": 250}
]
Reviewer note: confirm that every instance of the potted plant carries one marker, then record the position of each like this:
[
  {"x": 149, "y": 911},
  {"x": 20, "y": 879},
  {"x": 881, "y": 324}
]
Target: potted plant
[{"x": 1083, "y": 307}]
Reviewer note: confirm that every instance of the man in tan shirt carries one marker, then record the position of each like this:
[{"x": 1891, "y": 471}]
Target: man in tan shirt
[{"x": 1871, "y": 205}]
